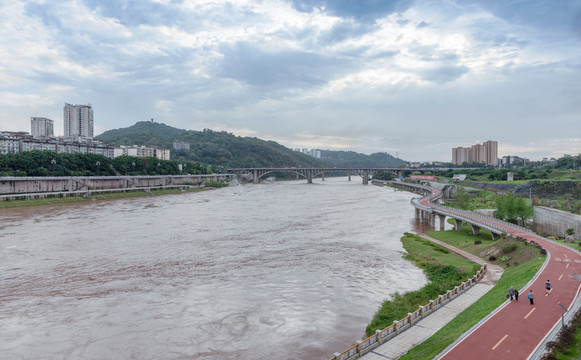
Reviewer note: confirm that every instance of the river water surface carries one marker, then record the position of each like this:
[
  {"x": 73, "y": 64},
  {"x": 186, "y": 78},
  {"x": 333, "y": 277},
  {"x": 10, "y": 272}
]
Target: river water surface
[{"x": 286, "y": 270}]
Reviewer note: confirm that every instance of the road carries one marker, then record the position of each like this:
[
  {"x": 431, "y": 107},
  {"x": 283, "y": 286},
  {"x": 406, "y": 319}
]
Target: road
[{"x": 517, "y": 330}]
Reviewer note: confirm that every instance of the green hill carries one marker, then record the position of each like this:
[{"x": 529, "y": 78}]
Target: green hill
[
  {"x": 210, "y": 147},
  {"x": 351, "y": 158},
  {"x": 220, "y": 148}
]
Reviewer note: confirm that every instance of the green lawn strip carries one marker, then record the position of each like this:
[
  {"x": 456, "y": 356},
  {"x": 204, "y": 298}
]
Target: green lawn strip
[
  {"x": 516, "y": 276},
  {"x": 444, "y": 268}
]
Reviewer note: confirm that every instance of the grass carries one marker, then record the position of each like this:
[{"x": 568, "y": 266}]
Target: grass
[
  {"x": 444, "y": 268},
  {"x": 528, "y": 261},
  {"x": 76, "y": 199}
]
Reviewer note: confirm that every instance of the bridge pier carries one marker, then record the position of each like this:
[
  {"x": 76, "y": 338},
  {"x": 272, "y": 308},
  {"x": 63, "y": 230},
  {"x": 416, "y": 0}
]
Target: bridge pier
[
  {"x": 475, "y": 229},
  {"x": 458, "y": 224},
  {"x": 323, "y": 176},
  {"x": 433, "y": 220},
  {"x": 349, "y": 177},
  {"x": 255, "y": 176},
  {"x": 442, "y": 221},
  {"x": 309, "y": 177},
  {"x": 365, "y": 177}
]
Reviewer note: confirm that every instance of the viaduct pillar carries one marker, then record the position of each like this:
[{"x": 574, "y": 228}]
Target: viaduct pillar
[
  {"x": 365, "y": 177},
  {"x": 442, "y": 221}
]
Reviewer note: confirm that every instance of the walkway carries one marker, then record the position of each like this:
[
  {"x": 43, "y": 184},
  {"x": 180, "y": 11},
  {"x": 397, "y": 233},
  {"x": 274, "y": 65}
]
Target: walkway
[
  {"x": 427, "y": 327},
  {"x": 519, "y": 330}
]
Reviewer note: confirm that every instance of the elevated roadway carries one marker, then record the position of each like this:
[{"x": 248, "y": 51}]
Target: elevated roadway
[{"x": 516, "y": 330}]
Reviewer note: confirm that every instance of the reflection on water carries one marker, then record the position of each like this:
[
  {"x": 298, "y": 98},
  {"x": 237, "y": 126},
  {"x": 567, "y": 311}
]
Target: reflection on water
[{"x": 284, "y": 270}]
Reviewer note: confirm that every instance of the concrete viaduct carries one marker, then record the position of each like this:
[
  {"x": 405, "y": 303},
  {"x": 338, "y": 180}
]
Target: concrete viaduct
[
  {"x": 428, "y": 209},
  {"x": 311, "y": 173}
]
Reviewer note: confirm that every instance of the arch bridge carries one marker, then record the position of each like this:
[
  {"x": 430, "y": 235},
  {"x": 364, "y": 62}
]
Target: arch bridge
[{"x": 310, "y": 173}]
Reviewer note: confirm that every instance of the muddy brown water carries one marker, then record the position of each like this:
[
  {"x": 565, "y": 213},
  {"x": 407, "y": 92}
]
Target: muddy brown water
[{"x": 284, "y": 270}]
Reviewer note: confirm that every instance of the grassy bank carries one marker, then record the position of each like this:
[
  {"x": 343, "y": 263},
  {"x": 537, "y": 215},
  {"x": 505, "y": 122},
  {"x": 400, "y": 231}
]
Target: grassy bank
[
  {"x": 520, "y": 265},
  {"x": 77, "y": 199},
  {"x": 444, "y": 268}
]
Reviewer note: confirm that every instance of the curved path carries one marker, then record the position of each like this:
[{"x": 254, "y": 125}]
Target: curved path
[{"x": 518, "y": 330}]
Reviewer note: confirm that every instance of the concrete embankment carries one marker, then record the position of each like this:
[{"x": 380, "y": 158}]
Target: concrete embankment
[{"x": 40, "y": 187}]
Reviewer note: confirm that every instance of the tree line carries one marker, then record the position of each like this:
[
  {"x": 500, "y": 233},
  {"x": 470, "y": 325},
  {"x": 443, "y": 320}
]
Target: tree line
[{"x": 50, "y": 163}]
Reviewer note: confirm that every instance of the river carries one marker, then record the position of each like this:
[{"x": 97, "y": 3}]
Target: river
[{"x": 285, "y": 270}]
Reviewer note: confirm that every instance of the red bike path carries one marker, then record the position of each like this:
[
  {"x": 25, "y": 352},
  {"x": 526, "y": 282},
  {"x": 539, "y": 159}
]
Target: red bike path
[{"x": 517, "y": 329}]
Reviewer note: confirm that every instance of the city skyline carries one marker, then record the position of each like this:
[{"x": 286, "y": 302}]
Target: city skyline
[{"x": 404, "y": 77}]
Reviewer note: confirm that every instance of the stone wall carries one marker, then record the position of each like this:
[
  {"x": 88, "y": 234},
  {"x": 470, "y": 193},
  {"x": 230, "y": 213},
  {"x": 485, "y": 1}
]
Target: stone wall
[
  {"x": 555, "y": 222},
  {"x": 29, "y": 185}
]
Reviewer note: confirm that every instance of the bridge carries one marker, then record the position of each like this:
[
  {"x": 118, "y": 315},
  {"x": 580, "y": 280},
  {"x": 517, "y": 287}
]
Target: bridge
[
  {"x": 310, "y": 173},
  {"x": 427, "y": 209}
]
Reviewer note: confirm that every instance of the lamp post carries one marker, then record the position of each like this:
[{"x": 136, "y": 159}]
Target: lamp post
[
  {"x": 562, "y": 315},
  {"x": 53, "y": 164}
]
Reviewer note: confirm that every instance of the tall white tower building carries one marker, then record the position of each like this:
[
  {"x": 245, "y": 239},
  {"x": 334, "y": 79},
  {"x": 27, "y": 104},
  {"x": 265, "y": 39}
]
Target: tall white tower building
[
  {"x": 78, "y": 120},
  {"x": 41, "y": 127}
]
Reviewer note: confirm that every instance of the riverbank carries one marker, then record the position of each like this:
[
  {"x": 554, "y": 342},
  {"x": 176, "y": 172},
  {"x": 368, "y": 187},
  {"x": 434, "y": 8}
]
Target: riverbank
[
  {"x": 108, "y": 196},
  {"x": 520, "y": 267}
]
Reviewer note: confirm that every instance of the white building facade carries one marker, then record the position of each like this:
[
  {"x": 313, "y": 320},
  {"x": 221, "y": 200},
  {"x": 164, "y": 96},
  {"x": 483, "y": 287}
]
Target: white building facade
[
  {"x": 41, "y": 127},
  {"x": 78, "y": 121}
]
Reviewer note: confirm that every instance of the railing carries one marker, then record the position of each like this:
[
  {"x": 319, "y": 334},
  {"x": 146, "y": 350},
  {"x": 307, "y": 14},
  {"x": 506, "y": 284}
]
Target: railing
[
  {"x": 87, "y": 193},
  {"x": 381, "y": 336}
]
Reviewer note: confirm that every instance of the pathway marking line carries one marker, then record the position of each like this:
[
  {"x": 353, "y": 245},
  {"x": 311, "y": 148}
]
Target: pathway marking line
[
  {"x": 560, "y": 277},
  {"x": 530, "y": 312},
  {"x": 567, "y": 266},
  {"x": 501, "y": 340}
]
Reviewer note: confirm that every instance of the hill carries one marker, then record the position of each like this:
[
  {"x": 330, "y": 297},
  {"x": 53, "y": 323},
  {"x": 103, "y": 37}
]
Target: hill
[
  {"x": 351, "y": 158},
  {"x": 217, "y": 148},
  {"x": 220, "y": 148}
]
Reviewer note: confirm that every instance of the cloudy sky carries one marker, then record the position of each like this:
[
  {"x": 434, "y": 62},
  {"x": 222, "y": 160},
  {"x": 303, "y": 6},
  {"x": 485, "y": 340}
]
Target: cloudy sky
[{"x": 411, "y": 78}]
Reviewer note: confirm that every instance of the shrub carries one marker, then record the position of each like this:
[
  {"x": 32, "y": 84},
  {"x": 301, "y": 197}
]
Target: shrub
[
  {"x": 477, "y": 242},
  {"x": 505, "y": 258},
  {"x": 492, "y": 258},
  {"x": 509, "y": 247}
]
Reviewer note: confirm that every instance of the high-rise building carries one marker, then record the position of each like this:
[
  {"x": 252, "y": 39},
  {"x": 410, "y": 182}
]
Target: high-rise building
[
  {"x": 41, "y": 127},
  {"x": 486, "y": 153},
  {"x": 78, "y": 121}
]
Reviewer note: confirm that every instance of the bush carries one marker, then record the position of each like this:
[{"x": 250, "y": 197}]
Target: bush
[
  {"x": 492, "y": 258},
  {"x": 509, "y": 247},
  {"x": 477, "y": 242}
]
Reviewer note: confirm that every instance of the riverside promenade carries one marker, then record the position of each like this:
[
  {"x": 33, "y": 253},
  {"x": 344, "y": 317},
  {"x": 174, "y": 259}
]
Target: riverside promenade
[
  {"x": 427, "y": 327},
  {"x": 520, "y": 330}
]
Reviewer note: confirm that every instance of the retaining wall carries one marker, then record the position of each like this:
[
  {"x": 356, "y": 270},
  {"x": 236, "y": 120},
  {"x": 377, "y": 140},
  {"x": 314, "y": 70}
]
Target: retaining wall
[
  {"x": 39, "y": 187},
  {"x": 556, "y": 222}
]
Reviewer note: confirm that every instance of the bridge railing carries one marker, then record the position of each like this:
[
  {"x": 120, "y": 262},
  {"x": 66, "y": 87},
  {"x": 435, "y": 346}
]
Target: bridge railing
[{"x": 381, "y": 336}]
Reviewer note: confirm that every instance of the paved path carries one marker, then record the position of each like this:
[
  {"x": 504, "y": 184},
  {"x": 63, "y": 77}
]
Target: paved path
[
  {"x": 518, "y": 330},
  {"x": 428, "y": 326}
]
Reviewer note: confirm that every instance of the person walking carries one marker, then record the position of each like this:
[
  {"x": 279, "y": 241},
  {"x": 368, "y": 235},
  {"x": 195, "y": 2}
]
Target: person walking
[
  {"x": 548, "y": 287},
  {"x": 516, "y": 295},
  {"x": 511, "y": 293},
  {"x": 531, "y": 297}
]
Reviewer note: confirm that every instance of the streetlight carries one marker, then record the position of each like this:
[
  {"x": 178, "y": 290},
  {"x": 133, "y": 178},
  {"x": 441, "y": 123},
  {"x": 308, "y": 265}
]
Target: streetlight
[
  {"x": 53, "y": 162},
  {"x": 562, "y": 315}
]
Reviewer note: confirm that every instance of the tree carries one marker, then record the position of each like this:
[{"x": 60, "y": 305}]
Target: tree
[
  {"x": 462, "y": 197},
  {"x": 513, "y": 209}
]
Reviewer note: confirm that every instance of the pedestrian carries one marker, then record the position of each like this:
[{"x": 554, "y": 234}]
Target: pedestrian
[
  {"x": 516, "y": 295},
  {"x": 548, "y": 287},
  {"x": 531, "y": 297},
  {"x": 511, "y": 292}
]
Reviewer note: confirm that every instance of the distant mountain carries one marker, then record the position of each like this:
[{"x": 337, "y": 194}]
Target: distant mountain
[
  {"x": 210, "y": 147},
  {"x": 351, "y": 158},
  {"x": 220, "y": 148}
]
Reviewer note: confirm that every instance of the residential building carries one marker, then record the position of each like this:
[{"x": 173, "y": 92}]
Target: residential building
[
  {"x": 142, "y": 151},
  {"x": 78, "y": 121},
  {"x": 41, "y": 127},
  {"x": 486, "y": 153},
  {"x": 178, "y": 145},
  {"x": 21, "y": 142}
]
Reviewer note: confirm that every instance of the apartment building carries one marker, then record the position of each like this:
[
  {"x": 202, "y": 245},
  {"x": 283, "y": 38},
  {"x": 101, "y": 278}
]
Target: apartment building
[
  {"x": 485, "y": 153},
  {"x": 41, "y": 127},
  {"x": 78, "y": 121}
]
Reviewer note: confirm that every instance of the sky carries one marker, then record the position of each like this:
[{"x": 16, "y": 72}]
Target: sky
[{"x": 410, "y": 78}]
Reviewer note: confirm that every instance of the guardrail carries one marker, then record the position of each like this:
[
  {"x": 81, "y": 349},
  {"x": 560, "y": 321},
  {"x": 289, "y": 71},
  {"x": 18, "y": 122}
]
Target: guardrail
[
  {"x": 364, "y": 346},
  {"x": 88, "y": 193}
]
